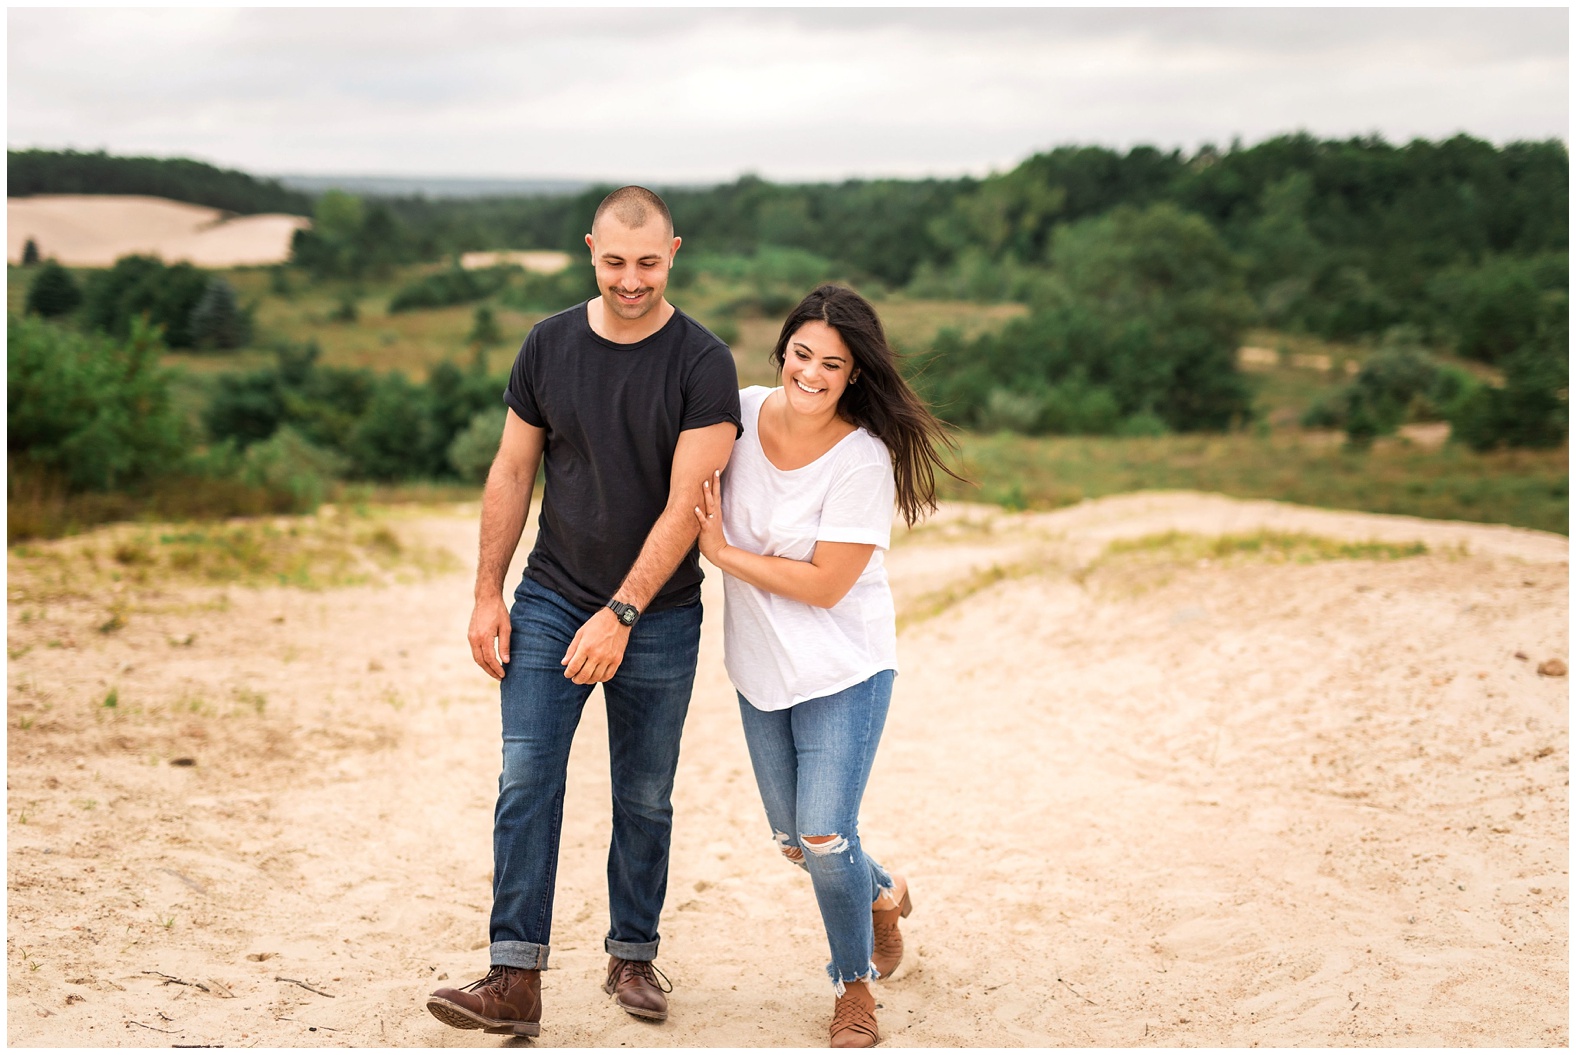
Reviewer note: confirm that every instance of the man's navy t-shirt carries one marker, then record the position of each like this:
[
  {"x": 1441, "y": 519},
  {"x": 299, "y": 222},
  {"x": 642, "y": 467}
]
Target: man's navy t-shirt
[{"x": 613, "y": 413}]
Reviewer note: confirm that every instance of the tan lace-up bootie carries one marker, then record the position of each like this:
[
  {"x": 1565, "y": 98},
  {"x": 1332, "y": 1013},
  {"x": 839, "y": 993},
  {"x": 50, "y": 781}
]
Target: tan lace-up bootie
[
  {"x": 854, "y": 1018},
  {"x": 889, "y": 940}
]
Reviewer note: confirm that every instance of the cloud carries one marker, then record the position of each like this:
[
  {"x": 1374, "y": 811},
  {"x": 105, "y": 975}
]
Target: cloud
[{"x": 699, "y": 94}]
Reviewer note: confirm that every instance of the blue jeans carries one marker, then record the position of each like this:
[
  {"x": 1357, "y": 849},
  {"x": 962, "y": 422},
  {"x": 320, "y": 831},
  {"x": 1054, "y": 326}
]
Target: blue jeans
[
  {"x": 647, "y": 701},
  {"x": 812, "y": 762}
]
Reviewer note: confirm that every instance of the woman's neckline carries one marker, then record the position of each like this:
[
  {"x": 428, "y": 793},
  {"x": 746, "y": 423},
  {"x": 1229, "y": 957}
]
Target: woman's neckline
[{"x": 760, "y": 409}]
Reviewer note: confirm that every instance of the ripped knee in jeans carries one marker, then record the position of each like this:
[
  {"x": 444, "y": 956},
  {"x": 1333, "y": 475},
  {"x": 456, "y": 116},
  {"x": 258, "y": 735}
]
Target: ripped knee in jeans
[
  {"x": 822, "y": 845},
  {"x": 789, "y": 850}
]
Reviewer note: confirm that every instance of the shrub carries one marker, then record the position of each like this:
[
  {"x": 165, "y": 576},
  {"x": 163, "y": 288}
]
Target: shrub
[
  {"x": 345, "y": 309},
  {"x": 1532, "y": 408},
  {"x": 321, "y": 403},
  {"x": 472, "y": 452},
  {"x": 555, "y": 292},
  {"x": 143, "y": 286},
  {"x": 484, "y": 327},
  {"x": 454, "y": 286},
  {"x": 1076, "y": 407},
  {"x": 53, "y": 292},
  {"x": 29, "y": 253},
  {"x": 1494, "y": 309},
  {"x": 1143, "y": 423},
  {"x": 279, "y": 282},
  {"x": 1009, "y": 411},
  {"x": 1399, "y": 382},
  {"x": 397, "y": 438},
  {"x": 95, "y": 410},
  {"x": 245, "y": 407},
  {"x": 287, "y": 463}
]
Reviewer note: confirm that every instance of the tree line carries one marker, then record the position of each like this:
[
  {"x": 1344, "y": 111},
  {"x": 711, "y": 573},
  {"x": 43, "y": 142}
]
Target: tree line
[
  {"x": 31, "y": 172},
  {"x": 1339, "y": 238}
]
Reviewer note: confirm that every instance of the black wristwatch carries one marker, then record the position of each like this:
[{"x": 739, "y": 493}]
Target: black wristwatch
[{"x": 627, "y": 613}]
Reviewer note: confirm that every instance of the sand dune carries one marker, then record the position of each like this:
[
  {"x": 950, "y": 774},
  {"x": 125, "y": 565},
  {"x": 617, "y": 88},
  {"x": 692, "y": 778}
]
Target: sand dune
[
  {"x": 541, "y": 261},
  {"x": 95, "y": 230},
  {"x": 1140, "y": 801}
]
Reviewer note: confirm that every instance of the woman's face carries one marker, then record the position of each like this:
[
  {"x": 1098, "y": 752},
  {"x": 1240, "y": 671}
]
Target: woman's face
[{"x": 817, "y": 366}]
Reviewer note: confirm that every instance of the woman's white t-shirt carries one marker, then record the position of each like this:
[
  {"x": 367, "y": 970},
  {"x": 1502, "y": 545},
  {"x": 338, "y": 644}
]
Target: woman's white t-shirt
[{"x": 779, "y": 651}]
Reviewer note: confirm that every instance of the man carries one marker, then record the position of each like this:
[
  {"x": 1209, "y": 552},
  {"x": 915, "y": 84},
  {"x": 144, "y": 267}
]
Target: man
[{"x": 633, "y": 404}]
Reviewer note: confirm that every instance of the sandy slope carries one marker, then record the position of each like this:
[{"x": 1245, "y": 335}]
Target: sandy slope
[
  {"x": 95, "y": 230},
  {"x": 1139, "y": 804}
]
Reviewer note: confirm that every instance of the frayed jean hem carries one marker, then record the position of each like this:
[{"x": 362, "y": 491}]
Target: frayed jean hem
[{"x": 839, "y": 984}]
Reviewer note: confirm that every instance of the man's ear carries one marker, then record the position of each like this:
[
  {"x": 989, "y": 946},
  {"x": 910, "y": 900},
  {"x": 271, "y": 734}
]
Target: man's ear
[
  {"x": 673, "y": 250},
  {"x": 591, "y": 245}
]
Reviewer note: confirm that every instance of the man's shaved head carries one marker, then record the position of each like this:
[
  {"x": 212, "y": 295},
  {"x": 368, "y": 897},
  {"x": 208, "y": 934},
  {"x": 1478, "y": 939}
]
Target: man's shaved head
[{"x": 634, "y": 207}]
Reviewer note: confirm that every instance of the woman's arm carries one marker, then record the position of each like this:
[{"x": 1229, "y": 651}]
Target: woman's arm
[{"x": 823, "y": 580}]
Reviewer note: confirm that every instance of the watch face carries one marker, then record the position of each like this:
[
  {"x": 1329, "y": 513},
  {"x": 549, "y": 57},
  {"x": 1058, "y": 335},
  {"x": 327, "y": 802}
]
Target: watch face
[{"x": 627, "y": 616}]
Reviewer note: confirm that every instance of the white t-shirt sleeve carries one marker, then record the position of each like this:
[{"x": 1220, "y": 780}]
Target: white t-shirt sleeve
[{"x": 859, "y": 505}]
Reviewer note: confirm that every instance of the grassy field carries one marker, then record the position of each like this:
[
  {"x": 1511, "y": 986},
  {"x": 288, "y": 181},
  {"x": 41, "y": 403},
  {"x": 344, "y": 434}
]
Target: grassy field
[{"x": 1525, "y": 488}]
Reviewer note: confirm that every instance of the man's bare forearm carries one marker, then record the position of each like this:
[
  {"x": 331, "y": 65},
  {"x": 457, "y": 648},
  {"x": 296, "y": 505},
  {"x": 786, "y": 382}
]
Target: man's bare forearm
[
  {"x": 670, "y": 538},
  {"x": 506, "y": 503}
]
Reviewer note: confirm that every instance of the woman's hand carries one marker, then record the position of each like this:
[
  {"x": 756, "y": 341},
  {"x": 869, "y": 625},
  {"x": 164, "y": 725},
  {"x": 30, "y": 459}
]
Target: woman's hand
[{"x": 710, "y": 516}]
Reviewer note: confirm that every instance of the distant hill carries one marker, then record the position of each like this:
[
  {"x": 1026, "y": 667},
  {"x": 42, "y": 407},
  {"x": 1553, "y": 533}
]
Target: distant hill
[
  {"x": 30, "y": 172},
  {"x": 435, "y": 186}
]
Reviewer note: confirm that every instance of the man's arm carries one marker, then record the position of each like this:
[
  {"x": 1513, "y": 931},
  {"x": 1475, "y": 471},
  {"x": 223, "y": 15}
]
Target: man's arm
[
  {"x": 505, "y": 504},
  {"x": 598, "y": 647}
]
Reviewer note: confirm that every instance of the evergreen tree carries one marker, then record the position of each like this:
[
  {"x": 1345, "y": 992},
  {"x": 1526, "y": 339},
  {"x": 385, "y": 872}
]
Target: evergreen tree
[
  {"x": 29, "y": 253},
  {"x": 484, "y": 328},
  {"x": 218, "y": 320},
  {"x": 52, "y": 292}
]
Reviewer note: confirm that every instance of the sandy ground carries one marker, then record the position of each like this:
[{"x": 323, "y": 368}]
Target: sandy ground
[
  {"x": 95, "y": 230},
  {"x": 1140, "y": 802}
]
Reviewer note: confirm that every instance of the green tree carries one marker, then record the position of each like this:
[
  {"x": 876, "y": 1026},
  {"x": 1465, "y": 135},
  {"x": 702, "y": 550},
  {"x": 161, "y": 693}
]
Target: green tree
[
  {"x": 143, "y": 286},
  {"x": 218, "y": 321},
  {"x": 1136, "y": 330},
  {"x": 484, "y": 328},
  {"x": 95, "y": 410},
  {"x": 29, "y": 253},
  {"x": 1494, "y": 309},
  {"x": 397, "y": 438},
  {"x": 1532, "y": 408},
  {"x": 53, "y": 292}
]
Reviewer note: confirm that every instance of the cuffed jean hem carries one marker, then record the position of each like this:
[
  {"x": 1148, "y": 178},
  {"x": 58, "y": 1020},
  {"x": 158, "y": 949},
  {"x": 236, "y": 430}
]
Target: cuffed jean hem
[
  {"x": 840, "y": 984},
  {"x": 526, "y": 955},
  {"x": 645, "y": 951}
]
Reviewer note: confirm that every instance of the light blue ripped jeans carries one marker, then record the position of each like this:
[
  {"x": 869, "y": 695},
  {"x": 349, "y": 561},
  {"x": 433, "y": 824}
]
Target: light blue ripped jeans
[{"x": 811, "y": 763}]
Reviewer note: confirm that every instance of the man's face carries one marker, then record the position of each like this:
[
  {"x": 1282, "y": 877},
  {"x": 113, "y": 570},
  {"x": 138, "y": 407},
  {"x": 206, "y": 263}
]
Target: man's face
[{"x": 631, "y": 264}]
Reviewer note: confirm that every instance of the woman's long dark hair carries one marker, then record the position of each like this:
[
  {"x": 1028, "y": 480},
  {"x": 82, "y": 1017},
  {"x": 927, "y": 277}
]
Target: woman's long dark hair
[{"x": 881, "y": 401}]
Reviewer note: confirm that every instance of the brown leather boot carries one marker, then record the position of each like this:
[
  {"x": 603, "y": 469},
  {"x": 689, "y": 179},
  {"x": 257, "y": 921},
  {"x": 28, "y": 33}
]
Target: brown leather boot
[
  {"x": 889, "y": 940},
  {"x": 508, "y": 1000},
  {"x": 854, "y": 1018},
  {"x": 633, "y": 985}
]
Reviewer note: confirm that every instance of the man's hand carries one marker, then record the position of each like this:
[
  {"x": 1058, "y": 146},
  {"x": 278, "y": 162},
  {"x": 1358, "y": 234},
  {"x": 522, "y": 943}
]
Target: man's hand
[
  {"x": 597, "y": 650},
  {"x": 489, "y": 623}
]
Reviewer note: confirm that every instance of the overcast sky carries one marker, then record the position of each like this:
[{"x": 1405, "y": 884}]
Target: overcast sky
[{"x": 707, "y": 94}]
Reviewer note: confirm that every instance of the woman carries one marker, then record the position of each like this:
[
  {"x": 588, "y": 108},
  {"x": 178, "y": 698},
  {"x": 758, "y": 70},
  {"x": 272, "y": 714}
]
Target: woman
[{"x": 810, "y": 632}]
